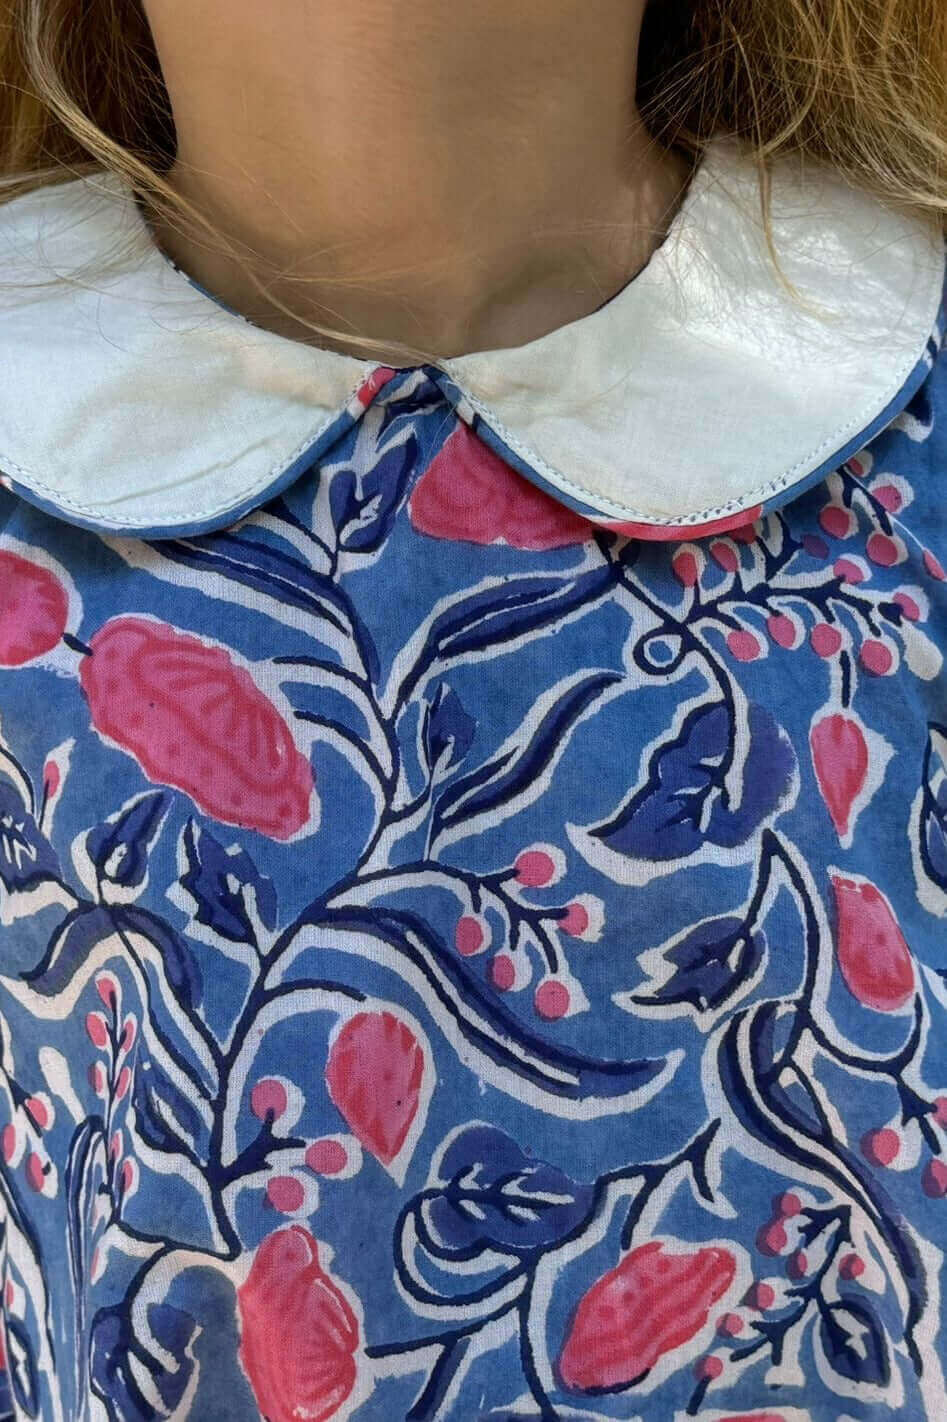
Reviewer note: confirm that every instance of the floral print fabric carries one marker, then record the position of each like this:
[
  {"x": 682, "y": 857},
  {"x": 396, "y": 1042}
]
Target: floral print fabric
[{"x": 463, "y": 963}]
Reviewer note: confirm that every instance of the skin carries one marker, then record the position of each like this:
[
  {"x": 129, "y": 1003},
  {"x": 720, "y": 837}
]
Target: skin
[{"x": 458, "y": 177}]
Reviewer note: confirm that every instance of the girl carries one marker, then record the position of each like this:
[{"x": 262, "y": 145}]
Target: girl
[{"x": 473, "y": 776}]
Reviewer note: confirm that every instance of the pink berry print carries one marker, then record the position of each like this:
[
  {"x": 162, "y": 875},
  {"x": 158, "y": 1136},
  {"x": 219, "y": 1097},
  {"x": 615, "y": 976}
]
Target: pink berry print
[
  {"x": 798, "y": 1265},
  {"x": 881, "y": 1146},
  {"x": 686, "y": 568},
  {"x": 934, "y": 1179},
  {"x": 285, "y": 1193},
  {"x": 940, "y": 1110},
  {"x": 908, "y": 605},
  {"x": 851, "y": 1266},
  {"x": 848, "y": 570},
  {"x": 782, "y": 629},
  {"x": 884, "y": 550},
  {"x": 708, "y": 1368},
  {"x": 772, "y": 1239},
  {"x": 888, "y": 496},
  {"x": 836, "y": 521},
  {"x": 787, "y": 1206},
  {"x": 539, "y": 866},
  {"x": 873, "y": 956},
  {"x": 934, "y": 566},
  {"x": 374, "y": 1075},
  {"x": 194, "y": 719},
  {"x": 730, "y": 1325},
  {"x": 97, "y": 1030},
  {"x": 724, "y": 554},
  {"x": 298, "y": 1333},
  {"x": 744, "y": 645},
  {"x": 503, "y": 972},
  {"x": 469, "y": 935},
  {"x": 34, "y": 607},
  {"x": 552, "y": 999},
  {"x": 575, "y": 920},
  {"x": 651, "y": 1302},
  {"x": 35, "y": 1174},
  {"x": 268, "y": 1099},
  {"x": 875, "y": 656},
  {"x": 760, "y": 1296},
  {"x": 327, "y": 1157},
  {"x": 825, "y": 639}
]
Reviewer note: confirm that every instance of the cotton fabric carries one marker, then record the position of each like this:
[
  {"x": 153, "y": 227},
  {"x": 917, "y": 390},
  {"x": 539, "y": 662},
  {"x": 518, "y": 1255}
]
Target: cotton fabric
[{"x": 468, "y": 952}]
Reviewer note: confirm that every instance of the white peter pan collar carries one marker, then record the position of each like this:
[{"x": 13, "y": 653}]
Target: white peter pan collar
[{"x": 131, "y": 400}]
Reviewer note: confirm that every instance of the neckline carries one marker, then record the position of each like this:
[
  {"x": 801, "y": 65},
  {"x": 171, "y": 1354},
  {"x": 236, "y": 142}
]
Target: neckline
[
  {"x": 147, "y": 238},
  {"x": 697, "y": 397}
]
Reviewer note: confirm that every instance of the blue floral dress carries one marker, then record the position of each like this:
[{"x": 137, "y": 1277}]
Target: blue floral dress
[{"x": 473, "y": 890}]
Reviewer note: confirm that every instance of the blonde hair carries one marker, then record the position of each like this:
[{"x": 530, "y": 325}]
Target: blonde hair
[{"x": 861, "y": 84}]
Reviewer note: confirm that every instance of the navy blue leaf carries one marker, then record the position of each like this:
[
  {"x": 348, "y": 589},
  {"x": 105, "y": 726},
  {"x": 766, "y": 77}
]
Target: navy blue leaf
[
  {"x": 377, "y": 498},
  {"x": 933, "y": 817},
  {"x": 447, "y": 727},
  {"x": 683, "y": 803},
  {"x": 496, "y": 1198},
  {"x": 854, "y": 1343},
  {"x": 164, "y": 1117},
  {"x": 180, "y": 969},
  {"x": 252, "y": 564},
  {"x": 343, "y": 497},
  {"x": 26, "y": 857},
  {"x": 21, "y": 1362},
  {"x": 69, "y": 948},
  {"x": 119, "y": 848},
  {"x": 709, "y": 964},
  {"x": 507, "y": 776},
  {"x": 499, "y": 614},
  {"x": 114, "y": 1347},
  {"x": 224, "y": 885}
]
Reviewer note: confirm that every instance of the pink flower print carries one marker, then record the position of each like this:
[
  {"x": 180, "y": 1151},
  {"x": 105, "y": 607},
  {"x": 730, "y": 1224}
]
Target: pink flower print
[
  {"x": 469, "y": 492},
  {"x": 650, "y": 1303},
  {"x": 375, "y": 1074},
  {"x": 875, "y": 960},
  {"x": 299, "y": 1335},
  {"x": 194, "y": 719},
  {"x": 34, "y": 608}
]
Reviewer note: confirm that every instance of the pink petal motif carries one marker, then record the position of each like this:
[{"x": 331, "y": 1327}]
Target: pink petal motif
[
  {"x": 469, "y": 492},
  {"x": 840, "y": 759},
  {"x": 298, "y": 1333},
  {"x": 194, "y": 719},
  {"x": 34, "y": 608},
  {"x": 875, "y": 960},
  {"x": 650, "y": 1303},
  {"x": 374, "y": 1075}
]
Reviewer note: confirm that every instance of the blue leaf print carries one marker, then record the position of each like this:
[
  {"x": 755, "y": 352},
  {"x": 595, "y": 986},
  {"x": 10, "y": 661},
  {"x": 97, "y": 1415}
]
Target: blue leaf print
[
  {"x": 26, "y": 858},
  {"x": 853, "y": 1342},
  {"x": 515, "y": 771},
  {"x": 707, "y": 965},
  {"x": 363, "y": 507},
  {"x": 683, "y": 804},
  {"x": 114, "y": 1348},
  {"x": 225, "y": 887},
  {"x": 447, "y": 728},
  {"x": 495, "y": 1197},
  {"x": 164, "y": 1117},
  {"x": 120, "y": 847},
  {"x": 933, "y": 813}
]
